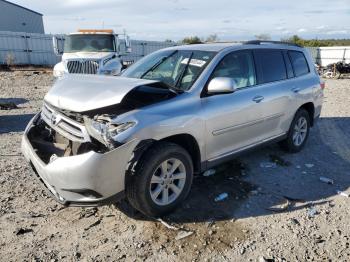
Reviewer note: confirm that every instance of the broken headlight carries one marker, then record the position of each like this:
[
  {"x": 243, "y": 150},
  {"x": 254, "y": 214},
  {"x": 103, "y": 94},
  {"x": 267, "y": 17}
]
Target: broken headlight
[{"x": 104, "y": 131}]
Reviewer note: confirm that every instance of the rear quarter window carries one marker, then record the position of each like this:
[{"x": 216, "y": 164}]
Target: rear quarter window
[
  {"x": 270, "y": 65},
  {"x": 289, "y": 67},
  {"x": 299, "y": 63}
]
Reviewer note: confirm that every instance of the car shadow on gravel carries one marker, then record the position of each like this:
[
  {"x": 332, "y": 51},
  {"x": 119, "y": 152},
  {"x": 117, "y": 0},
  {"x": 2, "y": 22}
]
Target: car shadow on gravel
[
  {"x": 14, "y": 123},
  {"x": 17, "y": 101},
  {"x": 255, "y": 191}
]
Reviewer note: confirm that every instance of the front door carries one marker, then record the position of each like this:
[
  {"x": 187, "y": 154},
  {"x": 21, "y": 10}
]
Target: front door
[{"x": 233, "y": 121}]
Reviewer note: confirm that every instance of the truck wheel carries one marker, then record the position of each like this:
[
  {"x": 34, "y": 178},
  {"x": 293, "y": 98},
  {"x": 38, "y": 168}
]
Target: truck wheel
[
  {"x": 162, "y": 179},
  {"x": 298, "y": 132}
]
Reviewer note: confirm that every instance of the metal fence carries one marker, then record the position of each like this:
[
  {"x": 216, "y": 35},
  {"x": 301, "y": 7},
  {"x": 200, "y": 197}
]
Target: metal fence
[
  {"x": 141, "y": 48},
  {"x": 324, "y": 56},
  {"x": 26, "y": 49},
  {"x": 37, "y": 49}
]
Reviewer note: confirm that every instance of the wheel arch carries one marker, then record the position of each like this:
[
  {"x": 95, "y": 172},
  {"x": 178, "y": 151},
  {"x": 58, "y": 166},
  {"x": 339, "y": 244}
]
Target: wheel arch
[
  {"x": 186, "y": 141},
  {"x": 190, "y": 144},
  {"x": 310, "y": 108}
]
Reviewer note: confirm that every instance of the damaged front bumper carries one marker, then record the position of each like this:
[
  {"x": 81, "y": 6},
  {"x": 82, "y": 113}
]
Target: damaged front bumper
[{"x": 85, "y": 179}]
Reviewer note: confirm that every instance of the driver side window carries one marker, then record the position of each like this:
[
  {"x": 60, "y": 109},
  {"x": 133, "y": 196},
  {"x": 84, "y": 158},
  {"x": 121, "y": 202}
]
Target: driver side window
[{"x": 239, "y": 66}]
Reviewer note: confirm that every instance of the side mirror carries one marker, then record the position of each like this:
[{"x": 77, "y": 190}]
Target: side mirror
[
  {"x": 127, "y": 44},
  {"x": 56, "y": 45},
  {"x": 221, "y": 85}
]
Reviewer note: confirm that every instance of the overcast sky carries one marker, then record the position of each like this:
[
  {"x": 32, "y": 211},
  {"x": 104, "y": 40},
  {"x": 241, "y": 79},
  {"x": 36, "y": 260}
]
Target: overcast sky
[{"x": 175, "y": 19}]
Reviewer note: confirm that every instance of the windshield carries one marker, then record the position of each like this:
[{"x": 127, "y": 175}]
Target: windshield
[
  {"x": 89, "y": 43},
  {"x": 178, "y": 69}
]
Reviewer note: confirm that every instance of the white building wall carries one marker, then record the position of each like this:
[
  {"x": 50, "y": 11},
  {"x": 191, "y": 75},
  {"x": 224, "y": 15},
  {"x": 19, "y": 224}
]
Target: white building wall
[{"x": 324, "y": 56}]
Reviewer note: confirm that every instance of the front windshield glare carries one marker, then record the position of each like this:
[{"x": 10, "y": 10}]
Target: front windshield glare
[
  {"x": 176, "y": 68},
  {"x": 89, "y": 43}
]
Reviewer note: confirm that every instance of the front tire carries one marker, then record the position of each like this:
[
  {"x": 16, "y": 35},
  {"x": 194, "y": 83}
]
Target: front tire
[
  {"x": 162, "y": 179},
  {"x": 298, "y": 132}
]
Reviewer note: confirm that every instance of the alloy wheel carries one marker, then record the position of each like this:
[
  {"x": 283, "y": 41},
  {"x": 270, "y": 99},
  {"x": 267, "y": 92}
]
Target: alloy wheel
[
  {"x": 168, "y": 181},
  {"x": 300, "y": 131}
]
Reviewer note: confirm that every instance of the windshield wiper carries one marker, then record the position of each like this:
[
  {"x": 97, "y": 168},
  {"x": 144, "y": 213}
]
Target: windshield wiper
[
  {"x": 175, "y": 89},
  {"x": 178, "y": 81},
  {"x": 157, "y": 64}
]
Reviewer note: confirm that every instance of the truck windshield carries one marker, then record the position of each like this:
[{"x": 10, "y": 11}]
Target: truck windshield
[
  {"x": 89, "y": 43},
  {"x": 178, "y": 69}
]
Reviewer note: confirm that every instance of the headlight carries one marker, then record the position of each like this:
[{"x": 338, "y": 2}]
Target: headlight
[
  {"x": 58, "y": 73},
  {"x": 59, "y": 70},
  {"x": 111, "y": 67},
  {"x": 105, "y": 131}
]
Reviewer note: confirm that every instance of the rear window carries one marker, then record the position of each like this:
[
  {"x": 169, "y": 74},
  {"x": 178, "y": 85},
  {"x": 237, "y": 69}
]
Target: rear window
[
  {"x": 270, "y": 65},
  {"x": 299, "y": 63},
  {"x": 289, "y": 67}
]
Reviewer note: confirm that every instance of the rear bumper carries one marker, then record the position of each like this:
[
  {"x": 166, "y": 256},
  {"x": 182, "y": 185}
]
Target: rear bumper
[{"x": 88, "y": 179}]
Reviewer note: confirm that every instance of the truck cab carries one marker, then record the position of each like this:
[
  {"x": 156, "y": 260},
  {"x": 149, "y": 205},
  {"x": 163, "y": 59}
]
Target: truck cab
[{"x": 91, "y": 51}]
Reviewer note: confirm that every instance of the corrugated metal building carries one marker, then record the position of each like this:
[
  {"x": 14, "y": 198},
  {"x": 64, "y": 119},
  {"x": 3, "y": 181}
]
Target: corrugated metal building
[{"x": 16, "y": 18}]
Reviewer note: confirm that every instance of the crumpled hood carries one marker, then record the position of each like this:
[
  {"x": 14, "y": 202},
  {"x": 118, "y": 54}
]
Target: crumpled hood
[{"x": 79, "y": 93}]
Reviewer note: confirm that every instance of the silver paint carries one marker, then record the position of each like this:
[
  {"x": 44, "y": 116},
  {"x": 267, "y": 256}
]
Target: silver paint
[{"x": 220, "y": 124}]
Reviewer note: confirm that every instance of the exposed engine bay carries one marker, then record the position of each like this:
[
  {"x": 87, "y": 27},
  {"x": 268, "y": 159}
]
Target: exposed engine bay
[
  {"x": 52, "y": 138},
  {"x": 49, "y": 144}
]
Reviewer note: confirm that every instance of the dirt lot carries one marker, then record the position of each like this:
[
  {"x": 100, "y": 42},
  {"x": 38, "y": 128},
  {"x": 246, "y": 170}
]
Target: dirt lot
[{"x": 277, "y": 208}]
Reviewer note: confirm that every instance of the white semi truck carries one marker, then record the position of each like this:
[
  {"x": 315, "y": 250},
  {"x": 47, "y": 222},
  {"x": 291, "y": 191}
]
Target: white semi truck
[{"x": 91, "y": 51}]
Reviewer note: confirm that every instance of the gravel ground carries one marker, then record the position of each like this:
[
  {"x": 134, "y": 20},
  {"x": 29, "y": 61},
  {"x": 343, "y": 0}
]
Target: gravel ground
[{"x": 281, "y": 212}]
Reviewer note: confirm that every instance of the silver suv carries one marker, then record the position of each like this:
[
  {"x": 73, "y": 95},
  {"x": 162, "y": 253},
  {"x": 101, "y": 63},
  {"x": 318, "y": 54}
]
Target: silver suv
[{"x": 173, "y": 114}]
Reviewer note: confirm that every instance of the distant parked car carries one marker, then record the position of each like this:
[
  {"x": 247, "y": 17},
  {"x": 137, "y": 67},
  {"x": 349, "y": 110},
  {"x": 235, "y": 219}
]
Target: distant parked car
[{"x": 173, "y": 114}]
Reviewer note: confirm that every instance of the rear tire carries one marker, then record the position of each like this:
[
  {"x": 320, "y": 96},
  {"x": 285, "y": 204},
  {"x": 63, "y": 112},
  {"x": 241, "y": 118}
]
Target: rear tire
[
  {"x": 298, "y": 132},
  {"x": 162, "y": 179}
]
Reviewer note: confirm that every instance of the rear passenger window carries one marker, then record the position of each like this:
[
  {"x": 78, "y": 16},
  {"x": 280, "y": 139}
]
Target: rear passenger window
[
  {"x": 299, "y": 63},
  {"x": 270, "y": 65}
]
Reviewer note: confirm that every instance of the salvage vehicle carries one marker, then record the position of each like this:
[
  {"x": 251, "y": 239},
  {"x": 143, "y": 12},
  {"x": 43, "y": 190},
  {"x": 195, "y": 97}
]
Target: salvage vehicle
[
  {"x": 91, "y": 51},
  {"x": 175, "y": 113}
]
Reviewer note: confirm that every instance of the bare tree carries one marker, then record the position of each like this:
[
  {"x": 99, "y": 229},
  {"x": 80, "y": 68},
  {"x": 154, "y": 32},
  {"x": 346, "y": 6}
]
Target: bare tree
[
  {"x": 263, "y": 37},
  {"x": 10, "y": 59},
  {"x": 212, "y": 38}
]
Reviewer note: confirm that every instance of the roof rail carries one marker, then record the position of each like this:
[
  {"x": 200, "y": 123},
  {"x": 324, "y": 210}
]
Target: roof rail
[{"x": 259, "y": 42}]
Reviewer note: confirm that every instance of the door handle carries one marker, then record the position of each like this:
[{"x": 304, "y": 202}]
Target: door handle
[
  {"x": 258, "y": 99},
  {"x": 296, "y": 89}
]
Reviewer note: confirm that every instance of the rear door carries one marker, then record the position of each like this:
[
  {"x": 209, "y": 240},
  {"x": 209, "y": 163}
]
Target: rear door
[{"x": 275, "y": 86}]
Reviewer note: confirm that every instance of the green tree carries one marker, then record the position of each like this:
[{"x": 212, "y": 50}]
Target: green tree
[
  {"x": 192, "y": 40},
  {"x": 316, "y": 42}
]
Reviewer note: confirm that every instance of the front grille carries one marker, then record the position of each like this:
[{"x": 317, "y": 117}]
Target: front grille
[
  {"x": 83, "y": 66},
  {"x": 67, "y": 127}
]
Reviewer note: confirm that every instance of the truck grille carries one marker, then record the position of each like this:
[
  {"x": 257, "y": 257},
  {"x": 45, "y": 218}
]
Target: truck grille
[
  {"x": 67, "y": 127},
  {"x": 83, "y": 66}
]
